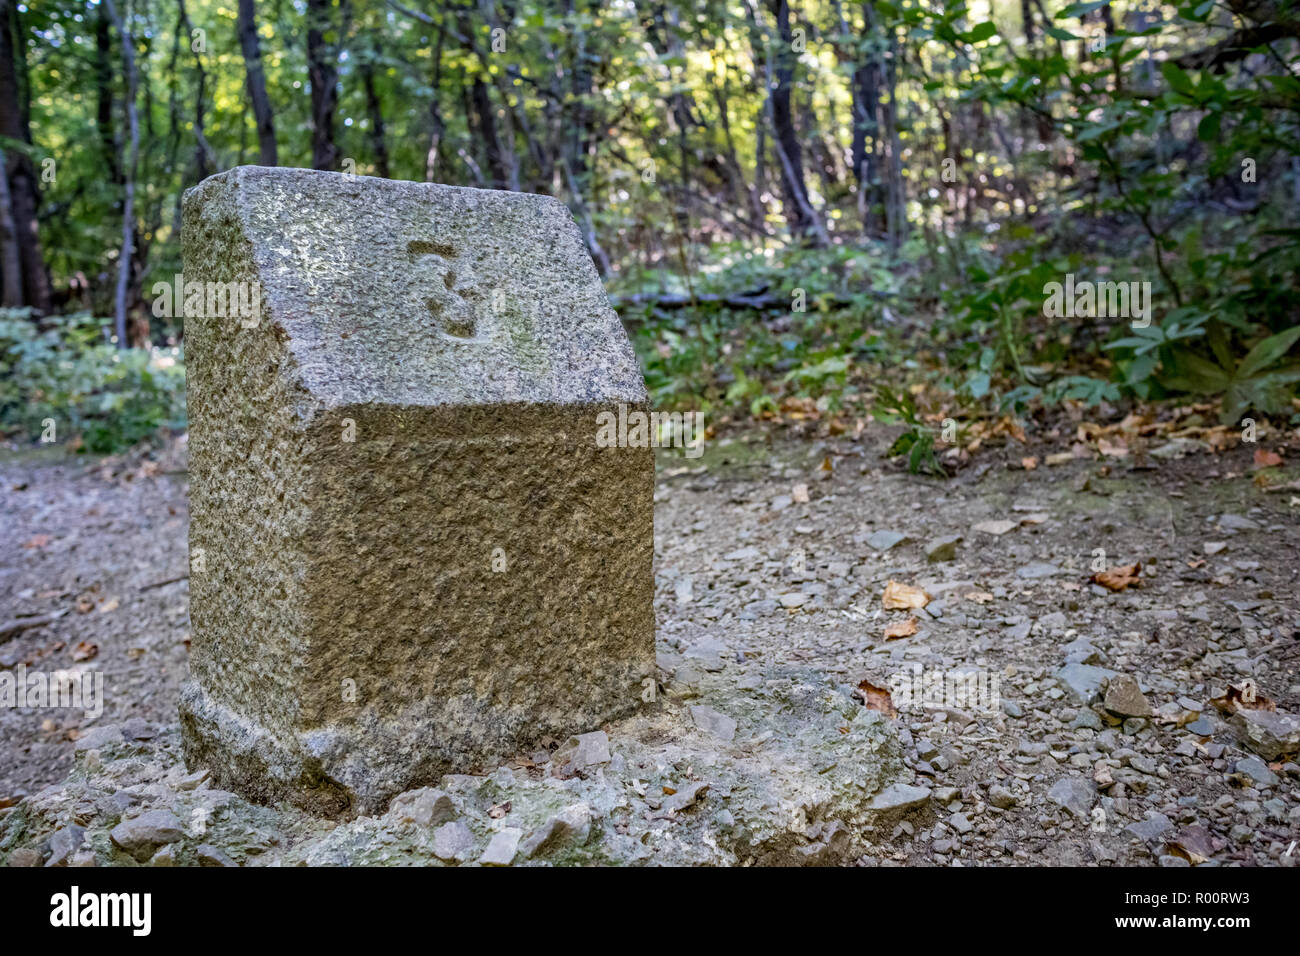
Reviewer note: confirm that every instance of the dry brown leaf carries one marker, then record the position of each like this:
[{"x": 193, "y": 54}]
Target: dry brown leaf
[
  {"x": 900, "y": 629},
  {"x": 669, "y": 791},
  {"x": 877, "y": 699},
  {"x": 1029, "y": 463},
  {"x": 1194, "y": 844},
  {"x": 84, "y": 650},
  {"x": 1243, "y": 696},
  {"x": 37, "y": 541},
  {"x": 1116, "y": 448},
  {"x": 1267, "y": 459},
  {"x": 826, "y": 463},
  {"x": 1119, "y": 579},
  {"x": 903, "y": 597}
]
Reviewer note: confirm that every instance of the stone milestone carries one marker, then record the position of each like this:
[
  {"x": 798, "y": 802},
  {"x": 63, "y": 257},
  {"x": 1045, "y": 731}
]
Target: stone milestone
[{"x": 409, "y": 556}]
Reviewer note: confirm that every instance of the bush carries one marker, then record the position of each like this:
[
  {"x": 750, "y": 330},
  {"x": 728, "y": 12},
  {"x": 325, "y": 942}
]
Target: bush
[{"x": 108, "y": 397}]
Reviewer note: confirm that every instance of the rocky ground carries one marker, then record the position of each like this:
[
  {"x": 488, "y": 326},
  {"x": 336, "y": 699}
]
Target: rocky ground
[{"x": 781, "y": 731}]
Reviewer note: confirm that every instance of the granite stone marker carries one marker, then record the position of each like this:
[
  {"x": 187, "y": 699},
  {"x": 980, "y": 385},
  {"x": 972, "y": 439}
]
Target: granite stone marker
[{"x": 408, "y": 554}]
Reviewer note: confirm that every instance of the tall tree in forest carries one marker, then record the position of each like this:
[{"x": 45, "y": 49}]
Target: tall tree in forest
[
  {"x": 23, "y": 197},
  {"x": 800, "y": 214},
  {"x": 374, "y": 109},
  {"x": 256, "y": 83},
  {"x": 322, "y": 71},
  {"x": 128, "y": 205}
]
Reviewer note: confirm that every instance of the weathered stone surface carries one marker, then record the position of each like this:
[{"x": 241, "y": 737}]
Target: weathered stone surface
[
  {"x": 1271, "y": 734},
  {"x": 142, "y": 835},
  {"x": 410, "y": 556},
  {"x": 808, "y": 784}
]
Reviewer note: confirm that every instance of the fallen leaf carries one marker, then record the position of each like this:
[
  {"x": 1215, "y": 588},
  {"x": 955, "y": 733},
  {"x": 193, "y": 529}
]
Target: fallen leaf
[
  {"x": 84, "y": 651},
  {"x": 1029, "y": 463},
  {"x": 1112, "y": 449},
  {"x": 1243, "y": 696},
  {"x": 1194, "y": 844},
  {"x": 900, "y": 629},
  {"x": 37, "y": 541},
  {"x": 826, "y": 463},
  {"x": 1119, "y": 579},
  {"x": 903, "y": 597},
  {"x": 1267, "y": 459},
  {"x": 877, "y": 699},
  {"x": 800, "y": 494},
  {"x": 669, "y": 791}
]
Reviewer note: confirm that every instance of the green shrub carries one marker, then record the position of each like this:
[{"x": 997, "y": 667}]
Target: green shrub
[{"x": 111, "y": 398}]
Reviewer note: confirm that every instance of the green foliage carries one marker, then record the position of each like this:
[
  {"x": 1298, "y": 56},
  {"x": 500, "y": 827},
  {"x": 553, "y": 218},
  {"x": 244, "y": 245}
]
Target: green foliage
[
  {"x": 917, "y": 439},
  {"x": 112, "y": 398}
]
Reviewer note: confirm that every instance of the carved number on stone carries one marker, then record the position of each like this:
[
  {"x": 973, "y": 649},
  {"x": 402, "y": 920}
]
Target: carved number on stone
[{"x": 447, "y": 291}]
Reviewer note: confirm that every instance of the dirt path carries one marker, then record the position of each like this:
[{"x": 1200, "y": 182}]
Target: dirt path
[{"x": 747, "y": 569}]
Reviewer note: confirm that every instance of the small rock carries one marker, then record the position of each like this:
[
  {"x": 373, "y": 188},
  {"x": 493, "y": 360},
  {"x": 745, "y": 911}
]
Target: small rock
[
  {"x": 1252, "y": 767},
  {"x": 501, "y": 849},
  {"x": 795, "y": 599},
  {"x": 451, "y": 840},
  {"x": 1001, "y": 797},
  {"x": 1073, "y": 794},
  {"x": 423, "y": 807},
  {"x": 1037, "y": 569},
  {"x": 210, "y": 855},
  {"x": 25, "y": 856},
  {"x": 572, "y": 825},
  {"x": 1082, "y": 681},
  {"x": 900, "y": 796},
  {"x": 1269, "y": 733},
  {"x": 1124, "y": 698},
  {"x": 997, "y": 528},
  {"x": 710, "y": 721},
  {"x": 1150, "y": 829},
  {"x": 141, "y": 836},
  {"x": 942, "y": 549},
  {"x": 165, "y": 857},
  {"x": 884, "y": 540},
  {"x": 64, "y": 842},
  {"x": 580, "y": 752},
  {"x": 1237, "y": 523},
  {"x": 959, "y": 823}
]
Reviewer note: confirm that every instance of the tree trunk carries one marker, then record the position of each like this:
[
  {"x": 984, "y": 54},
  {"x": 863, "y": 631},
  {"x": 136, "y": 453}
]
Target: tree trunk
[
  {"x": 11, "y": 269},
  {"x": 256, "y": 77},
  {"x": 128, "y": 207},
  {"x": 322, "y": 72},
  {"x": 24, "y": 199},
  {"x": 374, "y": 111},
  {"x": 800, "y": 215},
  {"x": 204, "y": 155}
]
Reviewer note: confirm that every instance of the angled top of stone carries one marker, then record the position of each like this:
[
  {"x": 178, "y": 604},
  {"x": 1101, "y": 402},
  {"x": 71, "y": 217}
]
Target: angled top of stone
[{"x": 416, "y": 294}]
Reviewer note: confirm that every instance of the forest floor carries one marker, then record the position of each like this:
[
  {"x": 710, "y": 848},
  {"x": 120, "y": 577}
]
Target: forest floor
[{"x": 780, "y": 552}]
